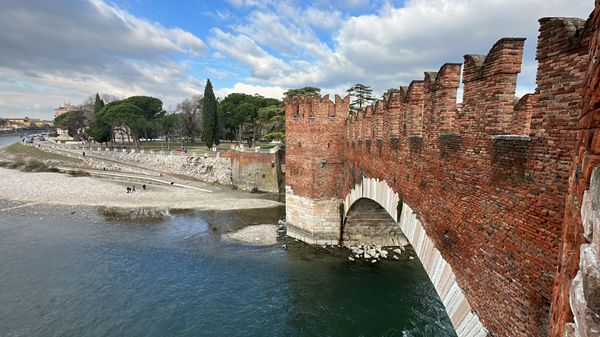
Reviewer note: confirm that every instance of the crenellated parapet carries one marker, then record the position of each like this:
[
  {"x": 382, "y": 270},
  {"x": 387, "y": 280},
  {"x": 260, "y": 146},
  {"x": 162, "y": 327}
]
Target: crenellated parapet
[
  {"x": 490, "y": 83},
  {"x": 317, "y": 107}
]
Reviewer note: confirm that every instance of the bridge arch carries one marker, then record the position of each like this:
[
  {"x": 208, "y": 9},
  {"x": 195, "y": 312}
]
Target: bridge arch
[
  {"x": 465, "y": 321},
  {"x": 366, "y": 221}
]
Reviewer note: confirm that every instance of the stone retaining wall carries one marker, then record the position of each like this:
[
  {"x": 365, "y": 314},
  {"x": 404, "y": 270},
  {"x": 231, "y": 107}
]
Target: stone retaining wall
[
  {"x": 245, "y": 168},
  {"x": 209, "y": 169}
]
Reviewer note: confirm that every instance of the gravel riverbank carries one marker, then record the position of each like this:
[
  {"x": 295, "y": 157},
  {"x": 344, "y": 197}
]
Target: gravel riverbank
[{"x": 61, "y": 189}]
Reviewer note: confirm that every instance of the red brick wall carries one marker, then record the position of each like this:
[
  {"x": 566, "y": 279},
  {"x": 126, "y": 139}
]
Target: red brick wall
[
  {"x": 587, "y": 156},
  {"x": 493, "y": 204},
  {"x": 314, "y": 138},
  {"x": 251, "y": 169}
]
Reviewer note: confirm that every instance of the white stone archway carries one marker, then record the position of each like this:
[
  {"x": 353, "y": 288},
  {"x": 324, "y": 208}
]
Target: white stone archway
[{"x": 466, "y": 323}]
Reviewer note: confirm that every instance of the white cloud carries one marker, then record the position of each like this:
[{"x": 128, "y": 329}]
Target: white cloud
[
  {"x": 67, "y": 50},
  {"x": 271, "y": 92},
  {"x": 391, "y": 47},
  {"x": 245, "y": 50}
]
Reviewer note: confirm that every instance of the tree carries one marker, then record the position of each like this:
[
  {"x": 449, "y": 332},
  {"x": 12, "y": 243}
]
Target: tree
[
  {"x": 391, "y": 91},
  {"x": 72, "y": 121},
  {"x": 151, "y": 109},
  {"x": 306, "y": 91},
  {"x": 248, "y": 112},
  {"x": 98, "y": 104},
  {"x": 100, "y": 131},
  {"x": 134, "y": 117},
  {"x": 125, "y": 117},
  {"x": 243, "y": 120},
  {"x": 273, "y": 116},
  {"x": 108, "y": 98},
  {"x": 190, "y": 111},
  {"x": 361, "y": 95},
  {"x": 209, "y": 116},
  {"x": 169, "y": 124}
]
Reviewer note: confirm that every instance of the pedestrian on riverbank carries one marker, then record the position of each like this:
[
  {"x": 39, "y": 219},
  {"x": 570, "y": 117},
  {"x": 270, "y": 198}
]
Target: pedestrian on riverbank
[{"x": 83, "y": 154}]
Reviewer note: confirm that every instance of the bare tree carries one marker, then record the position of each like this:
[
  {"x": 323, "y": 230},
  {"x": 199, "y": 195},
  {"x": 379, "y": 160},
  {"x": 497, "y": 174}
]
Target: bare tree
[
  {"x": 191, "y": 120},
  {"x": 107, "y": 98},
  {"x": 87, "y": 107}
]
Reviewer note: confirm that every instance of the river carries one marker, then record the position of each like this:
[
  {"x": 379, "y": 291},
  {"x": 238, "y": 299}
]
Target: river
[
  {"x": 80, "y": 272},
  {"x": 7, "y": 140}
]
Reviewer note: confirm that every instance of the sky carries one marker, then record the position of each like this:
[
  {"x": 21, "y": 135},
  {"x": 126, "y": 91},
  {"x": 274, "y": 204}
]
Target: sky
[{"x": 58, "y": 51}]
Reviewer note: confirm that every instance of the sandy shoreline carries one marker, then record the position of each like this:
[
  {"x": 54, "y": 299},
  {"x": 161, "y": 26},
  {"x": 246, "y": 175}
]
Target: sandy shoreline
[{"x": 62, "y": 189}]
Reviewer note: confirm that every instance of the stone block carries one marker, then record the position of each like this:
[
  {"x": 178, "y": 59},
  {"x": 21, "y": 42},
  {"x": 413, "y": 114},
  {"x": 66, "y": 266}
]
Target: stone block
[
  {"x": 570, "y": 330},
  {"x": 595, "y": 189},
  {"x": 588, "y": 216},
  {"x": 590, "y": 270},
  {"x": 587, "y": 322}
]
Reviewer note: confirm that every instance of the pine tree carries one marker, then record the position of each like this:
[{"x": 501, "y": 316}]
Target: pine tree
[
  {"x": 209, "y": 115},
  {"x": 306, "y": 91},
  {"x": 98, "y": 104},
  {"x": 361, "y": 96}
]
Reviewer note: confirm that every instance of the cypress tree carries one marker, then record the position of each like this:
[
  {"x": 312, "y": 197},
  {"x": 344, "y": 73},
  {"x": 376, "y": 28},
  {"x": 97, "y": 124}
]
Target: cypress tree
[
  {"x": 98, "y": 105},
  {"x": 210, "y": 128}
]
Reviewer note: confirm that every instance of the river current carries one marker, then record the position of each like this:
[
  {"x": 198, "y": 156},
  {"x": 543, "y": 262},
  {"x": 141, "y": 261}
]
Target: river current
[{"x": 82, "y": 272}]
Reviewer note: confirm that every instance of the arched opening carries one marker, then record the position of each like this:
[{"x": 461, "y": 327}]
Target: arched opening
[
  {"x": 465, "y": 321},
  {"x": 367, "y": 222}
]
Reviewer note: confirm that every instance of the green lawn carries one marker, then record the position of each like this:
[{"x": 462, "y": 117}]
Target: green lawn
[{"x": 33, "y": 152}]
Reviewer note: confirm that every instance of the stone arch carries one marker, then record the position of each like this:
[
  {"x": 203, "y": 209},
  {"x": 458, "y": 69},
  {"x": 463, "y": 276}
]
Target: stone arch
[
  {"x": 367, "y": 222},
  {"x": 465, "y": 321}
]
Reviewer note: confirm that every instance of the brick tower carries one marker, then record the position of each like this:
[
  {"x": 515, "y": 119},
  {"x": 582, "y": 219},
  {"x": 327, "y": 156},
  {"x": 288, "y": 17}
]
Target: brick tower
[{"x": 315, "y": 152}]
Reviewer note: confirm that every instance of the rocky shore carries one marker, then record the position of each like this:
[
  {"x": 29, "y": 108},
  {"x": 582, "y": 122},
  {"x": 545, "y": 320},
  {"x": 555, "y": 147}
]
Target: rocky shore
[{"x": 375, "y": 253}]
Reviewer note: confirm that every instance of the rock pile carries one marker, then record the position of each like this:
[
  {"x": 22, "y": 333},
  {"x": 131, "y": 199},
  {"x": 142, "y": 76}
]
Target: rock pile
[{"x": 374, "y": 253}]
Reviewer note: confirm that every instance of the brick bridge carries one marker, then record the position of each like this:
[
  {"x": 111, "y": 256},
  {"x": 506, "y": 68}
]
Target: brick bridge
[{"x": 488, "y": 192}]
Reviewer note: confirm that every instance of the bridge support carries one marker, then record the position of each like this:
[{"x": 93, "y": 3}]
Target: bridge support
[{"x": 314, "y": 221}]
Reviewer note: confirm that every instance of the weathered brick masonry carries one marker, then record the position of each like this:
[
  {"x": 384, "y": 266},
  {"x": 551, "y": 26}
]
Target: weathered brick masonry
[
  {"x": 256, "y": 169},
  {"x": 587, "y": 157},
  {"x": 488, "y": 181}
]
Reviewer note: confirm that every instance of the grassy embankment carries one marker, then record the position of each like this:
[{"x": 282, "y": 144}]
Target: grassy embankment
[{"x": 31, "y": 159}]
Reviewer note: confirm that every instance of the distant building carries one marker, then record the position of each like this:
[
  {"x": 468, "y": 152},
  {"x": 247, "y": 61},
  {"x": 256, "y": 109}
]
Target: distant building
[
  {"x": 22, "y": 123},
  {"x": 64, "y": 108}
]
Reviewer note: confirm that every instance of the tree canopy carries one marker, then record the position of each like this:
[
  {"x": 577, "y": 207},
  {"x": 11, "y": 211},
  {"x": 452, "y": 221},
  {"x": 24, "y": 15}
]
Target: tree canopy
[
  {"x": 98, "y": 104},
  {"x": 390, "y": 91},
  {"x": 361, "y": 95},
  {"x": 190, "y": 112},
  {"x": 245, "y": 117},
  {"x": 72, "y": 121},
  {"x": 135, "y": 117},
  {"x": 210, "y": 119},
  {"x": 306, "y": 91}
]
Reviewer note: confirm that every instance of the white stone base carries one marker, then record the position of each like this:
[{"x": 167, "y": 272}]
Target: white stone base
[{"x": 313, "y": 221}]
